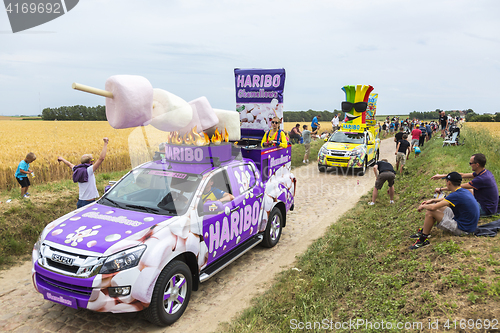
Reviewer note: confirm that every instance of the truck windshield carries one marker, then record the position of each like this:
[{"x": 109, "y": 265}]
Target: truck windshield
[
  {"x": 347, "y": 137},
  {"x": 153, "y": 191}
]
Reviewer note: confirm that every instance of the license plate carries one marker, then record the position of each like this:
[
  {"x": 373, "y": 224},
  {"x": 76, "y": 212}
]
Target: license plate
[
  {"x": 63, "y": 260},
  {"x": 60, "y": 298}
]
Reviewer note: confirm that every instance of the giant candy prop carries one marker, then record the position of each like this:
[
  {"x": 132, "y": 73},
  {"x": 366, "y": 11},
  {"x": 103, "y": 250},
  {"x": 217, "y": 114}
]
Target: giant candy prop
[
  {"x": 170, "y": 112},
  {"x": 356, "y": 103},
  {"x": 129, "y": 100}
]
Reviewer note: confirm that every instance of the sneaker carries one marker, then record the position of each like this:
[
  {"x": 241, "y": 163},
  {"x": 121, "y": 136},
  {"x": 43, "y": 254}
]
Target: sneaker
[
  {"x": 418, "y": 234},
  {"x": 419, "y": 244},
  {"x": 26, "y": 196},
  {"x": 307, "y": 161},
  {"x": 304, "y": 161},
  {"x": 391, "y": 202},
  {"x": 371, "y": 203}
]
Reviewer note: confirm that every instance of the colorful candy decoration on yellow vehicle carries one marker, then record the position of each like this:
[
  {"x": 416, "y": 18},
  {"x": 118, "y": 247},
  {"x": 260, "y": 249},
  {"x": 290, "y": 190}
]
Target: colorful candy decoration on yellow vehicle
[{"x": 356, "y": 103}]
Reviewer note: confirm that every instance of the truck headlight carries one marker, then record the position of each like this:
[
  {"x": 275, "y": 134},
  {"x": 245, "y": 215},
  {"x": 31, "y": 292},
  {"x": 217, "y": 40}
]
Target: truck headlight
[
  {"x": 356, "y": 152},
  {"x": 123, "y": 260},
  {"x": 323, "y": 151}
]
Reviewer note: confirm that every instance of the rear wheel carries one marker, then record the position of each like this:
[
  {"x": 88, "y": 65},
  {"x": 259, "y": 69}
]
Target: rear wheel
[
  {"x": 171, "y": 294},
  {"x": 273, "y": 229}
]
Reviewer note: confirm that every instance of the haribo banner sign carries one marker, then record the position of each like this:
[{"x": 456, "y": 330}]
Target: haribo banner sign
[{"x": 259, "y": 96}]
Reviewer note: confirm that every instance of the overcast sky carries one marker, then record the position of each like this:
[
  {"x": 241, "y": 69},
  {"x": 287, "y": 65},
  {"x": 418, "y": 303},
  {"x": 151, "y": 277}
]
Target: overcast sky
[{"x": 419, "y": 55}]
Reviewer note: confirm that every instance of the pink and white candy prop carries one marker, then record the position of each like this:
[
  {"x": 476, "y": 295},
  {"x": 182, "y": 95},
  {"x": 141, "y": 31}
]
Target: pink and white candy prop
[
  {"x": 170, "y": 112},
  {"x": 129, "y": 100},
  {"x": 228, "y": 120},
  {"x": 204, "y": 116}
]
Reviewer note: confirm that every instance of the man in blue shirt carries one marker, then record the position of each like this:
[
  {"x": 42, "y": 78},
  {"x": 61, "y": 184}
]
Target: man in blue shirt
[
  {"x": 315, "y": 123},
  {"x": 483, "y": 184},
  {"x": 458, "y": 213}
]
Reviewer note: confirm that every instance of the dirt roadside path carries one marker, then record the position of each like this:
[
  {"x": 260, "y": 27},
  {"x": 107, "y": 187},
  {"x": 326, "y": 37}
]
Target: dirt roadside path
[{"x": 320, "y": 200}]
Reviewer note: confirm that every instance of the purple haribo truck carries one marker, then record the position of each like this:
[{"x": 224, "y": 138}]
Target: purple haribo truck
[{"x": 165, "y": 227}]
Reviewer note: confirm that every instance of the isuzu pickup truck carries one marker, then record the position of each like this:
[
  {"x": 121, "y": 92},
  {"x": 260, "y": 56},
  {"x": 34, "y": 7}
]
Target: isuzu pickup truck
[{"x": 165, "y": 227}]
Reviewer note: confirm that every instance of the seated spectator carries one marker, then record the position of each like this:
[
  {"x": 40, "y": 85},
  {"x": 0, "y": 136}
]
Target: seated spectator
[
  {"x": 295, "y": 134},
  {"x": 483, "y": 184},
  {"x": 458, "y": 213}
]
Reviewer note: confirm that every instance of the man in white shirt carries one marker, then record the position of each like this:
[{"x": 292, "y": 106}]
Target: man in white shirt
[
  {"x": 335, "y": 122},
  {"x": 83, "y": 174}
]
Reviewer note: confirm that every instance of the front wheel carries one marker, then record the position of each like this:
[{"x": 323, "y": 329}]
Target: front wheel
[
  {"x": 273, "y": 229},
  {"x": 321, "y": 168},
  {"x": 171, "y": 294},
  {"x": 362, "y": 171}
]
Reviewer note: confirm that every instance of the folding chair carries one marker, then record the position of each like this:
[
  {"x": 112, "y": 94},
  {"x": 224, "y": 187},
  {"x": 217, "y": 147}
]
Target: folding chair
[{"x": 452, "y": 141}]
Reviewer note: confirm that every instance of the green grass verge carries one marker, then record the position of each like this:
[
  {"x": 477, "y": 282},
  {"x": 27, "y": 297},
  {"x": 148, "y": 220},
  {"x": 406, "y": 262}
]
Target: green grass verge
[
  {"x": 362, "y": 269},
  {"x": 22, "y": 221}
]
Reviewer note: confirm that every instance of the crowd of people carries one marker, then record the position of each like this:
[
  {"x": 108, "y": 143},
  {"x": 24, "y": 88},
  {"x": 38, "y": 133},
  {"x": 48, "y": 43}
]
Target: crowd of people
[{"x": 457, "y": 212}]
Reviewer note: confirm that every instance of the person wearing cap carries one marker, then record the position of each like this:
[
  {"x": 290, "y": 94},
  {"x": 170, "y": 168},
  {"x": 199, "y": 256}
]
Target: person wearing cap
[
  {"x": 483, "y": 184},
  {"x": 83, "y": 174},
  {"x": 458, "y": 213},
  {"x": 415, "y": 137}
]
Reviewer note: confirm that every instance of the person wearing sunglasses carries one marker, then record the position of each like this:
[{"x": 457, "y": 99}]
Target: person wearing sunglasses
[
  {"x": 483, "y": 185},
  {"x": 275, "y": 136},
  {"x": 83, "y": 174}
]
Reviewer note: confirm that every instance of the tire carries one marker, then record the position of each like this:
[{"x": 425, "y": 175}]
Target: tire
[
  {"x": 321, "y": 168},
  {"x": 362, "y": 171},
  {"x": 377, "y": 156},
  {"x": 272, "y": 233},
  {"x": 176, "y": 281}
]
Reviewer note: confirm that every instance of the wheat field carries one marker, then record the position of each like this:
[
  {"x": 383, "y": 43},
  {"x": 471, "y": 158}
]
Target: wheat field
[
  {"x": 70, "y": 139},
  {"x": 492, "y": 128}
]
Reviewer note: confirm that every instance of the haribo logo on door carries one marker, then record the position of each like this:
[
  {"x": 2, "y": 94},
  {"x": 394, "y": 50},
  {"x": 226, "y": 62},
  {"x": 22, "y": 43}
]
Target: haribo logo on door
[{"x": 26, "y": 14}]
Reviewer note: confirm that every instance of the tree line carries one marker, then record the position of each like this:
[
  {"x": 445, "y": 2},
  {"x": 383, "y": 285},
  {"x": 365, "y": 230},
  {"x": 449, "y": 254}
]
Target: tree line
[
  {"x": 303, "y": 116},
  {"x": 76, "y": 112}
]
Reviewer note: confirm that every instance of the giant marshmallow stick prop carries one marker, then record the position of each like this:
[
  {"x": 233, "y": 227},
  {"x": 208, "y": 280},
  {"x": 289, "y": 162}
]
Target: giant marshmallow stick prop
[{"x": 129, "y": 100}]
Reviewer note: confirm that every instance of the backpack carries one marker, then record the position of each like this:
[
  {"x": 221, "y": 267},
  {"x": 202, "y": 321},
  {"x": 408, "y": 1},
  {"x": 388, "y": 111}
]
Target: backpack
[{"x": 278, "y": 137}]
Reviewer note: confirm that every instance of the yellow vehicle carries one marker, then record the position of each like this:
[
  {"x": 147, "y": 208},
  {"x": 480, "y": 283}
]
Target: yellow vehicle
[
  {"x": 356, "y": 145},
  {"x": 353, "y": 146}
]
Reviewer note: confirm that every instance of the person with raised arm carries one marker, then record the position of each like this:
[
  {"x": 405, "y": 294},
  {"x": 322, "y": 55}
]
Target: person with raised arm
[{"x": 84, "y": 175}]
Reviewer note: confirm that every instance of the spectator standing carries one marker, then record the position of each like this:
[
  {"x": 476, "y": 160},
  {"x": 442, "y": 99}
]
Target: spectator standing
[
  {"x": 384, "y": 172},
  {"x": 458, "y": 213},
  {"x": 398, "y": 137},
  {"x": 315, "y": 123},
  {"x": 423, "y": 134},
  {"x": 443, "y": 121},
  {"x": 84, "y": 175},
  {"x": 23, "y": 169},
  {"x": 335, "y": 122},
  {"x": 402, "y": 153},
  {"x": 415, "y": 137},
  {"x": 483, "y": 184},
  {"x": 295, "y": 134},
  {"x": 428, "y": 129},
  {"x": 384, "y": 129},
  {"x": 306, "y": 135}
]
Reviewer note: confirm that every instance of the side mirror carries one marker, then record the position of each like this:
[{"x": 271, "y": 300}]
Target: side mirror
[
  {"x": 107, "y": 187},
  {"x": 371, "y": 143},
  {"x": 326, "y": 139},
  {"x": 212, "y": 207}
]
